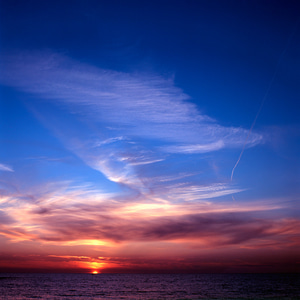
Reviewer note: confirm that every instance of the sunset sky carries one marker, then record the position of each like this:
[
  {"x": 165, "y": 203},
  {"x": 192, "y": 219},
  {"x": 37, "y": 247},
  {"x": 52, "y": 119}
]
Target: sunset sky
[{"x": 121, "y": 128}]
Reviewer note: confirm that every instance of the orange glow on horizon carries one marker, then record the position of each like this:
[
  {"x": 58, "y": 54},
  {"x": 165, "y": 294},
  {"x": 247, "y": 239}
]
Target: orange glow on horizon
[{"x": 95, "y": 272}]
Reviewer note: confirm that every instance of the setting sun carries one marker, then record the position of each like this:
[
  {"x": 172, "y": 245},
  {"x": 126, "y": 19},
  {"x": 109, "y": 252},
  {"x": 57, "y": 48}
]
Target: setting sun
[{"x": 95, "y": 272}]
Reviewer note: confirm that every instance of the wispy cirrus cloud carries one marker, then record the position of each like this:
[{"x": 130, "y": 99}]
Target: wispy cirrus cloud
[
  {"x": 132, "y": 122},
  {"x": 188, "y": 192},
  {"x": 195, "y": 148},
  {"x": 161, "y": 110},
  {"x": 7, "y": 168}
]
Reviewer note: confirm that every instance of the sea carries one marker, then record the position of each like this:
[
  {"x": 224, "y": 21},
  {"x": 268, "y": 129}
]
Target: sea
[{"x": 149, "y": 286}]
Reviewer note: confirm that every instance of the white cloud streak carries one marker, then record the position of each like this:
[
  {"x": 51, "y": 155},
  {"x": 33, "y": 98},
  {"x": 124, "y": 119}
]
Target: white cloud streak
[
  {"x": 7, "y": 168},
  {"x": 195, "y": 148},
  {"x": 183, "y": 192}
]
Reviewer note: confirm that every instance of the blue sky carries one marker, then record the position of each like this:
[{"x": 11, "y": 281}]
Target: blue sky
[{"x": 143, "y": 108}]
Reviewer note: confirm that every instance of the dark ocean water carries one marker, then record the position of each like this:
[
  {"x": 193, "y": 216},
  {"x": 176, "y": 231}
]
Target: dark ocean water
[{"x": 149, "y": 286}]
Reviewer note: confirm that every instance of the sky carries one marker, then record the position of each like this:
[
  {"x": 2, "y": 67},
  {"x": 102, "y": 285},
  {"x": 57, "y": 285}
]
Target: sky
[{"x": 149, "y": 136}]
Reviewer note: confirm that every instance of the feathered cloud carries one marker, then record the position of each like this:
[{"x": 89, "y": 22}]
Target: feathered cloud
[
  {"x": 127, "y": 124},
  {"x": 143, "y": 105}
]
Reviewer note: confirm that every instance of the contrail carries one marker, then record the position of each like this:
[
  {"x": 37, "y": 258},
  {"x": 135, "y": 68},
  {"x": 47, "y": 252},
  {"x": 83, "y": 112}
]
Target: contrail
[{"x": 264, "y": 98}]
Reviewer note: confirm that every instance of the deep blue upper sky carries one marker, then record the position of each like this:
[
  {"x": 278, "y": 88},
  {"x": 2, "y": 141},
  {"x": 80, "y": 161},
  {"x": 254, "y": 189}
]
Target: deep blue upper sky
[{"x": 222, "y": 53}]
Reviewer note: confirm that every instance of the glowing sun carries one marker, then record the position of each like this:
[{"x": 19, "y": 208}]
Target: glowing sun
[{"x": 95, "y": 272}]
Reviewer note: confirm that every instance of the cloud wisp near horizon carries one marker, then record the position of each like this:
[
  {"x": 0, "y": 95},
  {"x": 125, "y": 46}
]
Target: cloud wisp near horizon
[{"x": 64, "y": 221}]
